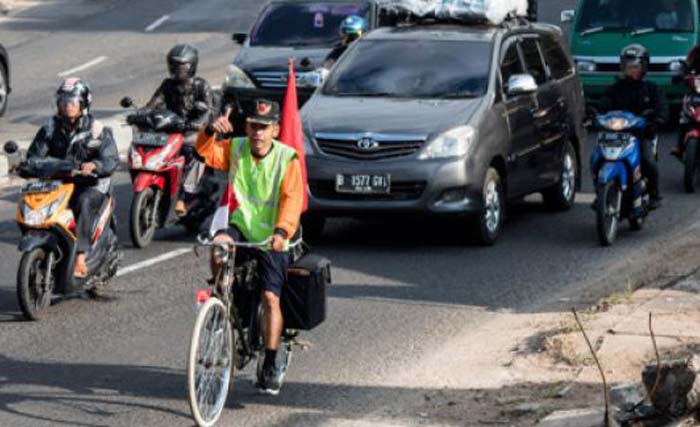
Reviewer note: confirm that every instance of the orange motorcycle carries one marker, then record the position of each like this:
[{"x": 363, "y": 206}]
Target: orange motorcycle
[{"x": 49, "y": 241}]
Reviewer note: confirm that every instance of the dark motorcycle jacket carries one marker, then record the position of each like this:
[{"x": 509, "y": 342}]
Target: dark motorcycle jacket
[
  {"x": 191, "y": 100},
  {"x": 637, "y": 97},
  {"x": 90, "y": 141}
]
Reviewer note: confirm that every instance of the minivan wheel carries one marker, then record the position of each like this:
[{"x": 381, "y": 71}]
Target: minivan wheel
[
  {"x": 490, "y": 221},
  {"x": 561, "y": 197},
  {"x": 4, "y": 90}
]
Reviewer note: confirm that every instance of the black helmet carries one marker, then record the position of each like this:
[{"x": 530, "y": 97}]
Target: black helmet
[
  {"x": 634, "y": 54},
  {"x": 72, "y": 90},
  {"x": 182, "y": 62}
]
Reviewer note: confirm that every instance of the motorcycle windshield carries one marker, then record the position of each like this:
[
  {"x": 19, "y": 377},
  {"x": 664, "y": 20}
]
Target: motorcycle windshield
[{"x": 47, "y": 168}]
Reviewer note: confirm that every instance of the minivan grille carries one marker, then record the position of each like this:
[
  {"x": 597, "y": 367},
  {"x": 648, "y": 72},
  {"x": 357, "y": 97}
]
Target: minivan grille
[
  {"x": 373, "y": 148},
  {"x": 271, "y": 79}
]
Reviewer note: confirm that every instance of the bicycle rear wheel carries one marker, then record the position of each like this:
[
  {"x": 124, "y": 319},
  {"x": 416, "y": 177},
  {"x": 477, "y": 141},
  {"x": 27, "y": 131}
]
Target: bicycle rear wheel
[{"x": 210, "y": 363}]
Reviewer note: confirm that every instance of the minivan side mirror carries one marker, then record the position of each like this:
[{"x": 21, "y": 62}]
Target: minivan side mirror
[
  {"x": 521, "y": 84},
  {"x": 567, "y": 15},
  {"x": 239, "y": 38}
]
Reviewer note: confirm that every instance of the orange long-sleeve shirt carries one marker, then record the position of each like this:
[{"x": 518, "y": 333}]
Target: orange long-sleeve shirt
[{"x": 217, "y": 155}]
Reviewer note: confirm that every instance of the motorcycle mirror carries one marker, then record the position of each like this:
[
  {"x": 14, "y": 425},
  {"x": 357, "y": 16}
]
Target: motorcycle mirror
[
  {"x": 126, "y": 102},
  {"x": 201, "y": 106},
  {"x": 10, "y": 147}
]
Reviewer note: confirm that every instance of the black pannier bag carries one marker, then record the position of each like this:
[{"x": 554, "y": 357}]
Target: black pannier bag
[{"x": 304, "y": 295}]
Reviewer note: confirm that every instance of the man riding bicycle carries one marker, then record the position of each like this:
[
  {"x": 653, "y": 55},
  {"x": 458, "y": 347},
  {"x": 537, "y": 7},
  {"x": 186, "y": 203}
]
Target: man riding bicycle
[{"x": 267, "y": 182}]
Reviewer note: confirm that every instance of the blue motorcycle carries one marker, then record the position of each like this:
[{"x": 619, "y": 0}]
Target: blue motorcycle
[{"x": 616, "y": 168}]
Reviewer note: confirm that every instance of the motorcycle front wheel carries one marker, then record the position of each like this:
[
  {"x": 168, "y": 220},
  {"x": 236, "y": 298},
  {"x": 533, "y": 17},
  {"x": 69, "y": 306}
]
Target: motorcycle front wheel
[
  {"x": 33, "y": 294},
  {"x": 142, "y": 224},
  {"x": 608, "y": 206},
  {"x": 691, "y": 174}
]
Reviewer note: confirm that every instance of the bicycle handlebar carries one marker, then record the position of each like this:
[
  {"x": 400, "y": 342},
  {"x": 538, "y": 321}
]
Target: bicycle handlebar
[{"x": 203, "y": 241}]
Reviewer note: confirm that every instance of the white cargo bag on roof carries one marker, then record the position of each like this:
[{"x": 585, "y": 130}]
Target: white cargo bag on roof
[
  {"x": 467, "y": 11},
  {"x": 492, "y": 11}
]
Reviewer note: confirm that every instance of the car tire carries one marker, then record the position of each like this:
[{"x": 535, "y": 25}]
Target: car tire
[
  {"x": 561, "y": 197},
  {"x": 4, "y": 90},
  {"x": 489, "y": 223}
]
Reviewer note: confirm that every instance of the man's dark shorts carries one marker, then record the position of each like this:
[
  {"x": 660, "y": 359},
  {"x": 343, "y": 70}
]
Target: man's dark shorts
[{"x": 272, "y": 265}]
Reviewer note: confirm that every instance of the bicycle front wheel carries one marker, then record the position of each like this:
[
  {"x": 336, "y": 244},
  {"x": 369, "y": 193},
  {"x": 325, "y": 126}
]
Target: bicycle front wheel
[{"x": 210, "y": 363}]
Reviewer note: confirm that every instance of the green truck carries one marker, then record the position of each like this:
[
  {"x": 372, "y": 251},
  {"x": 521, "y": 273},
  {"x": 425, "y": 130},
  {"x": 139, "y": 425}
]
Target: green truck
[{"x": 601, "y": 28}]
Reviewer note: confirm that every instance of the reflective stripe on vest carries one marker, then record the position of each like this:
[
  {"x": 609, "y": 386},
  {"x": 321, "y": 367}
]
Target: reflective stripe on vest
[{"x": 257, "y": 187}]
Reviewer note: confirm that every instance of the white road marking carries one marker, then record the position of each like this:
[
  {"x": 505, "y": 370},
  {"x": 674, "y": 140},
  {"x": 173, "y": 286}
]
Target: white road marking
[
  {"x": 149, "y": 262},
  {"x": 585, "y": 198},
  {"x": 83, "y": 67},
  {"x": 157, "y": 23}
]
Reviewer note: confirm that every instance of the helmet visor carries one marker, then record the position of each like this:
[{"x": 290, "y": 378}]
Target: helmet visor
[
  {"x": 65, "y": 99},
  {"x": 180, "y": 70}
]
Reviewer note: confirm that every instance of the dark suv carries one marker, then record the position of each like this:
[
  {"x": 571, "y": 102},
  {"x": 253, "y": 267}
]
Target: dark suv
[
  {"x": 305, "y": 29},
  {"x": 446, "y": 119}
]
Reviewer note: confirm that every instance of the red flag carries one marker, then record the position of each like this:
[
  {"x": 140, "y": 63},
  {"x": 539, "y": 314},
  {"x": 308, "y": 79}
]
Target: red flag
[
  {"x": 227, "y": 205},
  {"x": 291, "y": 132}
]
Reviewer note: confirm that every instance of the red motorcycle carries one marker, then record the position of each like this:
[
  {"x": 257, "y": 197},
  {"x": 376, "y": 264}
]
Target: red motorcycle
[
  {"x": 157, "y": 167},
  {"x": 690, "y": 120}
]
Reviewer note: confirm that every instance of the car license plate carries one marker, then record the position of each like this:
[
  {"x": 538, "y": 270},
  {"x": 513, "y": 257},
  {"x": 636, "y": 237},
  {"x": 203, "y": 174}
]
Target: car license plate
[{"x": 363, "y": 183}]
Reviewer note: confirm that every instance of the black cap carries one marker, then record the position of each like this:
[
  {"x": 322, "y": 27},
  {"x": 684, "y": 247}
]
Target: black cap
[{"x": 265, "y": 112}]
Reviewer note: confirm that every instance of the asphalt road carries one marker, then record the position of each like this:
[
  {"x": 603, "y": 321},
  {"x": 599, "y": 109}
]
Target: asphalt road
[{"x": 402, "y": 288}]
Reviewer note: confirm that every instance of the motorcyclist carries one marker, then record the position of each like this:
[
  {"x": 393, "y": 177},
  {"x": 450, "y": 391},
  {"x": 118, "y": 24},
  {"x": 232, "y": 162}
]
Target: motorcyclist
[
  {"x": 190, "y": 97},
  {"x": 268, "y": 186},
  {"x": 73, "y": 134},
  {"x": 691, "y": 67},
  {"x": 643, "y": 98},
  {"x": 351, "y": 29}
]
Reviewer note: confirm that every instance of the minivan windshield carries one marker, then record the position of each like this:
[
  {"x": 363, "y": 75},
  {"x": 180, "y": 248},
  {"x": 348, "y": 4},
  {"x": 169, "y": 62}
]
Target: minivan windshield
[
  {"x": 304, "y": 23},
  {"x": 644, "y": 16},
  {"x": 426, "y": 69}
]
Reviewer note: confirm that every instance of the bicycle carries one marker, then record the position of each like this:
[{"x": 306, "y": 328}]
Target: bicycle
[{"x": 226, "y": 337}]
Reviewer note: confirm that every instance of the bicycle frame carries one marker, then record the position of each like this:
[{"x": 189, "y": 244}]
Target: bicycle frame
[{"x": 226, "y": 280}]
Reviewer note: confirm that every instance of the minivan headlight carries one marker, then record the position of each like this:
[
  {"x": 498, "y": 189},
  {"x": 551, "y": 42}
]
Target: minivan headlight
[
  {"x": 453, "y": 143},
  {"x": 235, "y": 77},
  {"x": 586, "y": 66}
]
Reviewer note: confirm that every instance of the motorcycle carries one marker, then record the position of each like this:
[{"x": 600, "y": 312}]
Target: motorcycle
[
  {"x": 616, "y": 169},
  {"x": 689, "y": 150},
  {"x": 156, "y": 164},
  {"x": 49, "y": 240}
]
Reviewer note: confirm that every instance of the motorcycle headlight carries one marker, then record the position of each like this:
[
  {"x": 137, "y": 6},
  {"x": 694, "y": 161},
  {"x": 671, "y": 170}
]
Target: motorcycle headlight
[
  {"x": 453, "y": 143},
  {"x": 617, "y": 124},
  {"x": 235, "y": 77},
  {"x": 585, "y": 66},
  {"x": 156, "y": 161},
  {"x": 39, "y": 216}
]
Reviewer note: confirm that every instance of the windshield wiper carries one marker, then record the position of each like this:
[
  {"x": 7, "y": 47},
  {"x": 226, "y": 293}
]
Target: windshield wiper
[
  {"x": 592, "y": 30},
  {"x": 366, "y": 94},
  {"x": 458, "y": 95},
  {"x": 639, "y": 31},
  {"x": 599, "y": 29}
]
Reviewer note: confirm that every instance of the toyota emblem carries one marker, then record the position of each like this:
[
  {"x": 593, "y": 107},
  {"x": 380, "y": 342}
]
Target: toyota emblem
[{"x": 367, "y": 144}]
